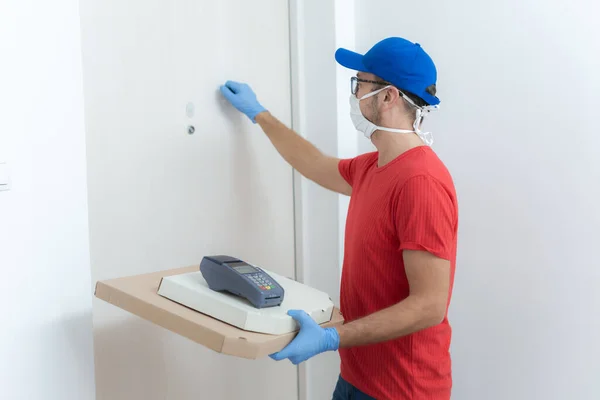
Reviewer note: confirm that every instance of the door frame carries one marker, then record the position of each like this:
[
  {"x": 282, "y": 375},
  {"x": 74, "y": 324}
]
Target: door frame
[{"x": 320, "y": 90}]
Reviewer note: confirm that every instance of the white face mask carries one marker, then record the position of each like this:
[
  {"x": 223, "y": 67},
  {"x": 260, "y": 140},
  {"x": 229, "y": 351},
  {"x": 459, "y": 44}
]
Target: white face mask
[{"x": 365, "y": 126}]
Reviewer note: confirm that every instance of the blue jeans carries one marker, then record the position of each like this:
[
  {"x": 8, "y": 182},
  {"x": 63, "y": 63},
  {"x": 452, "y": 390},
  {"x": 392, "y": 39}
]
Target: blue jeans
[{"x": 345, "y": 391}]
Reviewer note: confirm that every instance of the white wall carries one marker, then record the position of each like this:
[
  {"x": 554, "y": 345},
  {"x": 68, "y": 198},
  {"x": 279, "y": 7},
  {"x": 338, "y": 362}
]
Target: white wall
[
  {"x": 160, "y": 198},
  {"x": 45, "y": 291},
  {"x": 517, "y": 127}
]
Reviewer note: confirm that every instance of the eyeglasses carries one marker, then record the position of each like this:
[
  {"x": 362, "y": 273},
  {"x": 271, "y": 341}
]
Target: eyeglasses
[{"x": 354, "y": 83}]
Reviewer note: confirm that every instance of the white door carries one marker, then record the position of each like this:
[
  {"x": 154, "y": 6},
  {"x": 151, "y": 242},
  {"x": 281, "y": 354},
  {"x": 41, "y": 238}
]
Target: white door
[{"x": 162, "y": 198}]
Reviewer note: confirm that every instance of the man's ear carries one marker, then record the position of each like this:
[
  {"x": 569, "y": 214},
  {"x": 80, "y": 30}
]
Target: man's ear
[{"x": 391, "y": 96}]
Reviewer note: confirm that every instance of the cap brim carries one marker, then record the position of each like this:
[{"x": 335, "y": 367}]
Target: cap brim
[
  {"x": 431, "y": 100},
  {"x": 350, "y": 59}
]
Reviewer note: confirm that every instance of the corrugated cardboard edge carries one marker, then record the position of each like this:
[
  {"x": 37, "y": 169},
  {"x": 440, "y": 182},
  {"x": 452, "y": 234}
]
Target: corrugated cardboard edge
[{"x": 240, "y": 346}]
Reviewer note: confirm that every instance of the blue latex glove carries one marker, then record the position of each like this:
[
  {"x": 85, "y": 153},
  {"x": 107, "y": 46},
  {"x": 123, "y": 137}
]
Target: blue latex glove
[
  {"x": 242, "y": 97},
  {"x": 310, "y": 341}
]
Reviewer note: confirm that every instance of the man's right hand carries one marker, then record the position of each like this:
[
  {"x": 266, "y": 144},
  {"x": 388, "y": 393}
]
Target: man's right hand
[
  {"x": 242, "y": 97},
  {"x": 297, "y": 151}
]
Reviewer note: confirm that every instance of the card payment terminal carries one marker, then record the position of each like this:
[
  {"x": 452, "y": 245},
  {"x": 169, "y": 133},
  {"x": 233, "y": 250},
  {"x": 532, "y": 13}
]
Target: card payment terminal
[{"x": 225, "y": 273}]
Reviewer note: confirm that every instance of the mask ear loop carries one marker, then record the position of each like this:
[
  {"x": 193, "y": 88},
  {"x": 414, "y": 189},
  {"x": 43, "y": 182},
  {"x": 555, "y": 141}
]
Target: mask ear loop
[
  {"x": 421, "y": 113},
  {"x": 373, "y": 93}
]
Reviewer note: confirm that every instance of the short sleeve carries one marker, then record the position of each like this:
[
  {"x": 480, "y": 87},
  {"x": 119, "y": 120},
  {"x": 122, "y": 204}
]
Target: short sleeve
[
  {"x": 347, "y": 168},
  {"x": 352, "y": 169},
  {"x": 426, "y": 217}
]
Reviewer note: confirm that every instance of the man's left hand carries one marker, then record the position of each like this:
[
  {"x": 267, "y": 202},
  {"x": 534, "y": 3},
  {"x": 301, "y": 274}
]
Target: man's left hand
[{"x": 310, "y": 341}]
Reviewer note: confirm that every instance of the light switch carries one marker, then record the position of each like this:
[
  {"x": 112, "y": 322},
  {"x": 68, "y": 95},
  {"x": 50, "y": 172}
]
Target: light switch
[{"x": 4, "y": 178}]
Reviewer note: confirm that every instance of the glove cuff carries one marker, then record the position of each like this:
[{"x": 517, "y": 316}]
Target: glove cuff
[
  {"x": 332, "y": 339},
  {"x": 257, "y": 111}
]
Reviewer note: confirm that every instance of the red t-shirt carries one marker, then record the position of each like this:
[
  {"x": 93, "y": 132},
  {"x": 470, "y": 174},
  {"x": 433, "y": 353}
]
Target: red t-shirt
[{"x": 409, "y": 203}]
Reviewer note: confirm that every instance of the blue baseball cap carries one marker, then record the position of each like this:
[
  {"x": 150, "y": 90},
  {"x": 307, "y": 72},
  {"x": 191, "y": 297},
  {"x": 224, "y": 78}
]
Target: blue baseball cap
[{"x": 398, "y": 61}]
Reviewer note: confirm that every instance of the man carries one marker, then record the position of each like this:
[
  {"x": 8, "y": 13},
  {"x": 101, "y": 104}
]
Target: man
[{"x": 401, "y": 230}]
